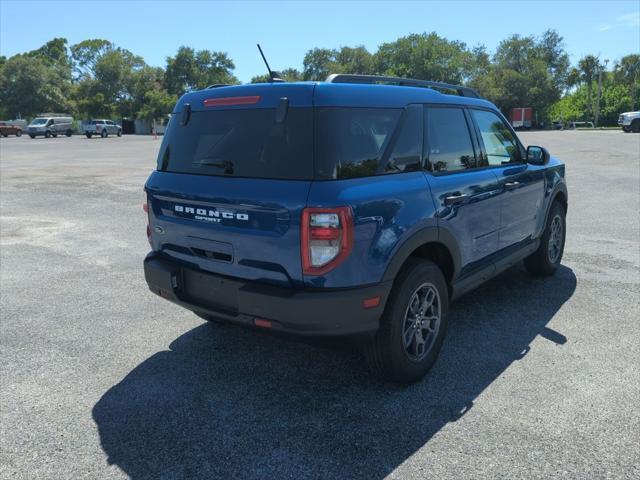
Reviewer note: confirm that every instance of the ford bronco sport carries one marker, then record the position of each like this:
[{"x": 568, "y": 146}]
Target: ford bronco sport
[{"x": 356, "y": 206}]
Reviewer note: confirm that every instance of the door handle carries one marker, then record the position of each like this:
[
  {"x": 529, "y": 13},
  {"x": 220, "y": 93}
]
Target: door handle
[
  {"x": 453, "y": 199},
  {"x": 511, "y": 185}
]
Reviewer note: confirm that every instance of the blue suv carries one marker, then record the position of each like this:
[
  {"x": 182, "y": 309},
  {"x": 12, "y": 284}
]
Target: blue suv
[{"x": 361, "y": 205}]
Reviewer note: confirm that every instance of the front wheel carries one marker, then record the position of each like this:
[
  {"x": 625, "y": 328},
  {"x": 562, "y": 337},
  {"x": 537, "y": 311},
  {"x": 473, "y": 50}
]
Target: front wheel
[
  {"x": 32, "y": 136},
  {"x": 19, "y": 133},
  {"x": 88, "y": 135},
  {"x": 119, "y": 133},
  {"x": 68, "y": 133},
  {"x": 413, "y": 325},
  {"x": 545, "y": 260},
  {"x": 47, "y": 134}
]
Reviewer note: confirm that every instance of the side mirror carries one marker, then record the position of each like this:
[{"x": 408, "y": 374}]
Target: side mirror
[{"x": 537, "y": 155}]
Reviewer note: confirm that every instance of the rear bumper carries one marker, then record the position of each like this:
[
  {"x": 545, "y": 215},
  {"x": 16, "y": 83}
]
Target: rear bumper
[{"x": 304, "y": 312}]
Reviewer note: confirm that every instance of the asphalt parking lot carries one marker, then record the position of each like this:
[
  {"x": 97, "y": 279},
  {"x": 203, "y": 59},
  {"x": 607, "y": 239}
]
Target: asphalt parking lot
[{"x": 538, "y": 378}]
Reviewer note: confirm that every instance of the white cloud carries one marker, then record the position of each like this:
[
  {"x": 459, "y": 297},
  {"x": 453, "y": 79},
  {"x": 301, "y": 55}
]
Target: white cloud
[{"x": 627, "y": 20}]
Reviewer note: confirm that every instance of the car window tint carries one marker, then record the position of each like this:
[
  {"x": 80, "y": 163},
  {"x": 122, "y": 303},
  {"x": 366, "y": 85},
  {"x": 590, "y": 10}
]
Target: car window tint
[
  {"x": 499, "y": 143},
  {"x": 448, "y": 140},
  {"x": 351, "y": 141},
  {"x": 407, "y": 150}
]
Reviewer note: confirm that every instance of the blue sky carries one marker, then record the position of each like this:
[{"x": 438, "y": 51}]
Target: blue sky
[{"x": 287, "y": 30}]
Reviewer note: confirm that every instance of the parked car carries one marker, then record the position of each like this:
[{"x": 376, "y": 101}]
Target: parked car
[
  {"x": 51, "y": 125},
  {"x": 7, "y": 129},
  {"x": 102, "y": 128},
  {"x": 630, "y": 121},
  {"x": 356, "y": 206}
]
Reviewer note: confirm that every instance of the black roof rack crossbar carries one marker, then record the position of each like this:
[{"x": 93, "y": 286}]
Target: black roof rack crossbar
[
  {"x": 216, "y": 85},
  {"x": 407, "y": 82}
]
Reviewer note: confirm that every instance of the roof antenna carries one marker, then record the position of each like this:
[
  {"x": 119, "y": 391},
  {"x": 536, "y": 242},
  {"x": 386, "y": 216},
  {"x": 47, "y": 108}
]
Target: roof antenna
[{"x": 273, "y": 76}]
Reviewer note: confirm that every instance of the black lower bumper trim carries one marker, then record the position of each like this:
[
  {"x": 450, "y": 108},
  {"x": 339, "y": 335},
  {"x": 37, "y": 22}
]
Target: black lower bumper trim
[{"x": 306, "y": 312}]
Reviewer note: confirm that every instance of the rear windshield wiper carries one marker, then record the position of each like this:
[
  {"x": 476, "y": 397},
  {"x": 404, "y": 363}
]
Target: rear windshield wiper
[{"x": 226, "y": 165}]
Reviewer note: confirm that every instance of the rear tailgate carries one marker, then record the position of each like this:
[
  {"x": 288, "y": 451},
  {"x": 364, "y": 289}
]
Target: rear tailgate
[
  {"x": 234, "y": 172},
  {"x": 240, "y": 227}
]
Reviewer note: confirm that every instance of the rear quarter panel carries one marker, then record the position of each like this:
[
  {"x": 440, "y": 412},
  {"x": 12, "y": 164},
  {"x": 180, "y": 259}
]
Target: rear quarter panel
[{"x": 386, "y": 209}]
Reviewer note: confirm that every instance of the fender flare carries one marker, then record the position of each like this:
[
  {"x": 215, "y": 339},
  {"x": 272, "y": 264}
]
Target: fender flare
[{"x": 427, "y": 235}]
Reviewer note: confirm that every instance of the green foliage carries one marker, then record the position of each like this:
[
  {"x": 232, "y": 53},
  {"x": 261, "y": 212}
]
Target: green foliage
[
  {"x": 288, "y": 75},
  {"x": 95, "y": 78},
  {"x": 426, "y": 56},
  {"x": 191, "y": 70}
]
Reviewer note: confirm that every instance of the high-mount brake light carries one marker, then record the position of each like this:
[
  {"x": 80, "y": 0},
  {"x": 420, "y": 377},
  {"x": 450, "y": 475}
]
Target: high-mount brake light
[
  {"x": 227, "y": 101},
  {"x": 326, "y": 238}
]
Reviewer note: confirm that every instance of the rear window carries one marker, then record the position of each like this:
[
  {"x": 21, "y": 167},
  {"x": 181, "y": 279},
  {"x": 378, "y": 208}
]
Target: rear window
[
  {"x": 351, "y": 141},
  {"x": 241, "y": 143}
]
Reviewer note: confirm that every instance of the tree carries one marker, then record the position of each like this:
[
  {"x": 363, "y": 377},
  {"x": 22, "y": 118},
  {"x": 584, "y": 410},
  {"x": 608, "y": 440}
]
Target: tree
[
  {"x": 318, "y": 63},
  {"x": 189, "y": 70},
  {"x": 288, "y": 75},
  {"x": 588, "y": 68},
  {"x": 28, "y": 86},
  {"x": 87, "y": 54},
  {"x": 425, "y": 56},
  {"x": 627, "y": 71},
  {"x": 158, "y": 103}
]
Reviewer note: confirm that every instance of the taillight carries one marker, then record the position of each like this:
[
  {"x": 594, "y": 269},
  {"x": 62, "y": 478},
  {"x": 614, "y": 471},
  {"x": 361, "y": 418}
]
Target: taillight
[
  {"x": 326, "y": 238},
  {"x": 145, "y": 207}
]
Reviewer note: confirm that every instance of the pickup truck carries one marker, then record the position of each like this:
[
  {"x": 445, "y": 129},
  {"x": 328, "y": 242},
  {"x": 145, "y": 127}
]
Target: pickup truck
[
  {"x": 359, "y": 206},
  {"x": 629, "y": 121}
]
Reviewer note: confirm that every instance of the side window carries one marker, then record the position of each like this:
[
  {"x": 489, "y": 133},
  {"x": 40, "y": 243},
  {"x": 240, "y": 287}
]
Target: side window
[
  {"x": 499, "y": 143},
  {"x": 406, "y": 153},
  {"x": 448, "y": 141},
  {"x": 350, "y": 141},
  {"x": 109, "y": 122}
]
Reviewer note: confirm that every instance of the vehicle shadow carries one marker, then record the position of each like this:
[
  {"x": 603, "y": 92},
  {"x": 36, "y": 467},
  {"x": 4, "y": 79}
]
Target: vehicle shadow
[{"x": 227, "y": 402}]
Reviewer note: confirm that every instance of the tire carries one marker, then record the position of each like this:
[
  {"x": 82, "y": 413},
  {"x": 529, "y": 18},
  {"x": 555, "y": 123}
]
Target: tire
[
  {"x": 104, "y": 134},
  {"x": 635, "y": 126},
  {"x": 545, "y": 260},
  {"x": 32, "y": 136},
  {"x": 626, "y": 129},
  {"x": 119, "y": 133},
  {"x": 5, "y": 135},
  {"x": 88, "y": 135},
  {"x": 47, "y": 134},
  {"x": 68, "y": 133},
  {"x": 19, "y": 133},
  {"x": 389, "y": 354},
  {"x": 55, "y": 135}
]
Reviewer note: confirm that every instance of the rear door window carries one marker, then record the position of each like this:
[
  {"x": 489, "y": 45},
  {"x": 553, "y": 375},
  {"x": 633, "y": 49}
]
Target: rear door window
[
  {"x": 240, "y": 142},
  {"x": 448, "y": 141}
]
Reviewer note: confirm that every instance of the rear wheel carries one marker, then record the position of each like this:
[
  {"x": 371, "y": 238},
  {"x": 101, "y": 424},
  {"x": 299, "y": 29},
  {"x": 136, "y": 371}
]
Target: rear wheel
[
  {"x": 413, "y": 325},
  {"x": 47, "y": 134},
  {"x": 68, "y": 133},
  {"x": 88, "y": 135},
  {"x": 19, "y": 133},
  {"x": 5, "y": 135},
  {"x": 635, "y": 125},
  {"x": 119, "y": 133},
  {"x": 32, "y": 136},
  {"x": 545, "y": 260},
  {"x": 104, "y": 134}
]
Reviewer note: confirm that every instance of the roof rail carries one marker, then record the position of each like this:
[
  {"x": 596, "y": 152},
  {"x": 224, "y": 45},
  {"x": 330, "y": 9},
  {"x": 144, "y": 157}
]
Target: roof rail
[
  {"x": 216, "y": 85},
  {"x": 406, "y": 82}
]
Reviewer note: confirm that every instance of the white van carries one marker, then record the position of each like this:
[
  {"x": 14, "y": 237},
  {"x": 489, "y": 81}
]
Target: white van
[{"x": 51, "y": 125}]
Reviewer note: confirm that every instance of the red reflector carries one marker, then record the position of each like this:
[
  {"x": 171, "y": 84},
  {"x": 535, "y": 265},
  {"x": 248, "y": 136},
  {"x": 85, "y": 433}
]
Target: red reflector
[
  {"x": 163, "y": 294},
  {"x": 258, "y": 322},
  {"x": 145, "y": 207},
  {"x": 371, "y": 302},
  {"x": 216, "y": 102},
  {"x": 324, "y": 233}
]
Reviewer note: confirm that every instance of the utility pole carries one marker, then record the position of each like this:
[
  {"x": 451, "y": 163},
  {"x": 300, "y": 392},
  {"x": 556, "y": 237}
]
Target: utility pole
[{"x": 599, "y": 92}]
